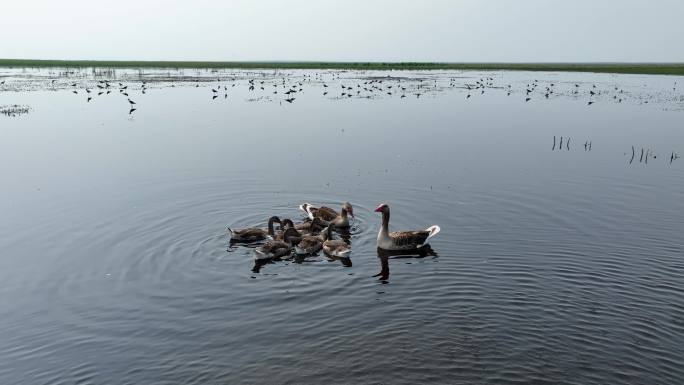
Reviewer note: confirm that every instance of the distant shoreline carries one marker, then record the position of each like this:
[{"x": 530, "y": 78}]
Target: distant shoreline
[{"x": 619, "y": 68}]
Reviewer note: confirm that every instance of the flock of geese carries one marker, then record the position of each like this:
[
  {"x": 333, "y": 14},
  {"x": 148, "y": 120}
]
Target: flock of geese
[{"x": 317, "y": 233}]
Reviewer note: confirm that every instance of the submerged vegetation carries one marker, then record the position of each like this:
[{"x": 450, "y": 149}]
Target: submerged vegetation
[{"x": 626, "y": 68}]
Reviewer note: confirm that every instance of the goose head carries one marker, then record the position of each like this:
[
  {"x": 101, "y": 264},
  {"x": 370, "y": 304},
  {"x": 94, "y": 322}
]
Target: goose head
[
  {"x": 347, "y": 207},
  {"x": 287, "y": 223},
  {"x": 271, "y": 221},
  {"x": 383, "y": 208},
  {"x": 289, "y": 234}
]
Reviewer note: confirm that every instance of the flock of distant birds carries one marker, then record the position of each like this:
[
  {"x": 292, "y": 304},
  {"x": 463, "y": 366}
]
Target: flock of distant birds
[
  {"x": 104, "y": 87},
  {"x": 317, "y": 234},
  {"x": 379, "y": 86},
  {"x": 370, "y": 87},
  {"x": 14, "y": 110}
]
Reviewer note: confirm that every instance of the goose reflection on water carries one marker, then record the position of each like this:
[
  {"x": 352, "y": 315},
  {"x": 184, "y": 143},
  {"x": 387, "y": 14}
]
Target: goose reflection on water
[
  {"x": 345, "y": 261},
  {"x": 300, "y": 259},
  {"x": 385, "y": 255}
]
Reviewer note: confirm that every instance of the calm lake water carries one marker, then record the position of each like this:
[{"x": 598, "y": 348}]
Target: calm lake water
[{"x": 555, "y": 265}]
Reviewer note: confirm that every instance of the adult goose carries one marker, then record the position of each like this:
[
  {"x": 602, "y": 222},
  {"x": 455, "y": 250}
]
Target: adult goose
[
  {"x": 329, "y": 216},
  {"x": 253, "y": 234},
  {"x": 275, "y": 249},
  {"x": 401, "y": 240},
  {"x": 334, "y": 247}
]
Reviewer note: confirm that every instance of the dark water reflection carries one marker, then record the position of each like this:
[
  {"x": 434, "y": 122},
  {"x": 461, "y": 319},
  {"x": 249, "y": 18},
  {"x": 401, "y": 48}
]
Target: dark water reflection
[
  {"x": 554, "y": 266},
  {"x": 385, "y": 255}
]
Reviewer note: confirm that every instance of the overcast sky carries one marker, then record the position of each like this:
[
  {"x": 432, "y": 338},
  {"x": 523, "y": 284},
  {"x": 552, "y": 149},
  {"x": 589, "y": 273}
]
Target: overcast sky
[{"x": 345, "y": 30}]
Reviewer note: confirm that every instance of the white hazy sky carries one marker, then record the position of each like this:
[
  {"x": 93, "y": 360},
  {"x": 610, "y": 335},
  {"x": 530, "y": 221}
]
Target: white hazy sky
[{"x": 344, "y": 30}]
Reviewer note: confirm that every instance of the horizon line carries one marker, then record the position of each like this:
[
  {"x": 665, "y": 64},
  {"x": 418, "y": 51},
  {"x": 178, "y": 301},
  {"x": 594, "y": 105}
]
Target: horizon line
[{"x": 655, "y": 68}]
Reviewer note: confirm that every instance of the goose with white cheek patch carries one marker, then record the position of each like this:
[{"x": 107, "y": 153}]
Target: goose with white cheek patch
[
  {"x": 329, "y": 216},
  {"x": 401, "y": 240}
]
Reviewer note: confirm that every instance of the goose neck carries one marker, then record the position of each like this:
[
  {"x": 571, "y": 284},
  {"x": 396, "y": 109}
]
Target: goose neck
[{"x": 385, "y": 220}]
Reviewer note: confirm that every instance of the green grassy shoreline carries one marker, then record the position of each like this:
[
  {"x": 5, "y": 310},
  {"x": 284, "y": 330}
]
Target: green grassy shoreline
[{"x": 623, "y": 68}]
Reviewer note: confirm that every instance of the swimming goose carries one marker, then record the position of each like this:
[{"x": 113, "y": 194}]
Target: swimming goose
[
  {"x": 401, "y": 240},
  {"x": 329, "y": 216},
  {"x": 253, "y": 234},
  {"x": 275, "y": 249},
  {"x": 310, "y": 244},
  {"x": 333, "y": 247},
  {"x": 287, "y": 224}
]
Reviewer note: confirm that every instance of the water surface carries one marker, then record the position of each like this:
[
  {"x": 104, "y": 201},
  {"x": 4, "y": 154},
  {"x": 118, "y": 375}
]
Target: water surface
[{"x": 558, "y": 265}]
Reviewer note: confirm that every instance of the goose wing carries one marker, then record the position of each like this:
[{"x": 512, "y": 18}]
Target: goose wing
[
  {"x": 249, "y": 234},
  {"x": 306, "y": 226},
  {"x": 280, "y": 236},
  {"x": 309, "y": 244},
  {"x": 273, "y": 249},
  {"x": 310, "y": 227},
  {"x": 326, "y": 213},
  {"x": 337, "y": 248},
  {"x": 409, "y": 238}
]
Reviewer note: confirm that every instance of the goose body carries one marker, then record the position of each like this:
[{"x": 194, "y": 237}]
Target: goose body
[
  {"x": 276, "y": 249},
  {"x": 401, "y": 240},
  {"x": 329, "y": 216},
  {"x": 334, "y": 247},
  {"x": 310, "y": 244},
  {"x": 311, "y": 227},
  {"x": 253, "y": 234}
]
